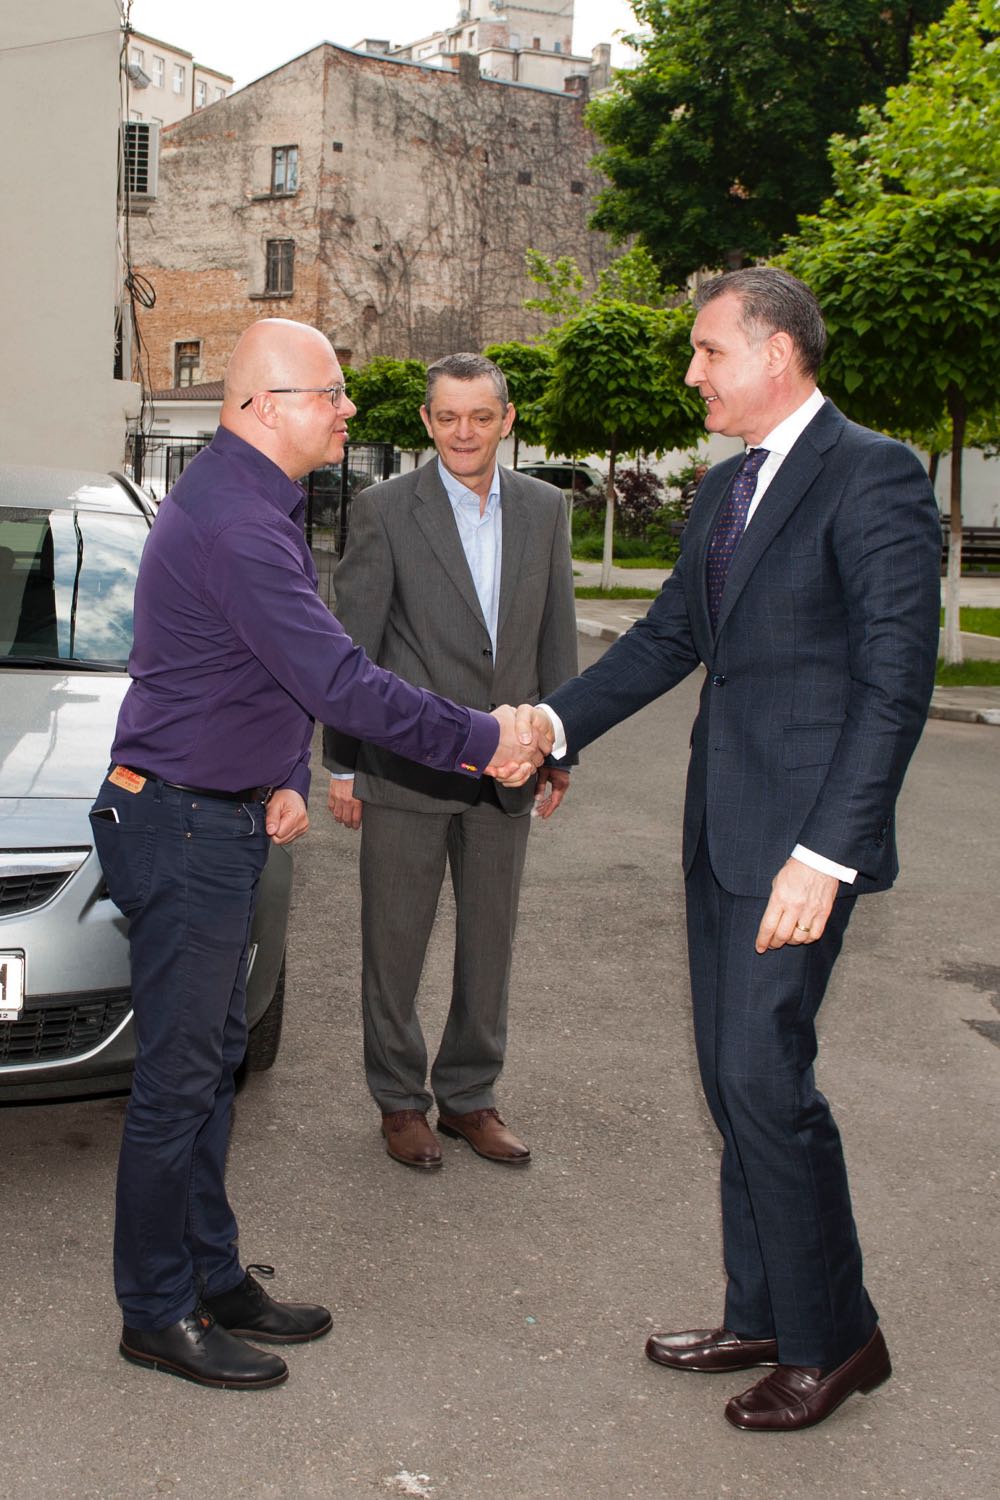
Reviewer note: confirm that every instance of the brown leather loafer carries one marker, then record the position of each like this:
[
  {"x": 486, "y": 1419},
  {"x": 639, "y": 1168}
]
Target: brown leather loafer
[
  {"x": 408, "y": 1139},
  {"x": 710, "y": 1350},
  {"x": 488, "y": 1136},
  {"x": 794, "y": 1396}
]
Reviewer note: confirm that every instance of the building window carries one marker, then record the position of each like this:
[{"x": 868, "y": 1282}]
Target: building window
[
  {"x": 187, "y": 363},
  {"x": 180, "y": 73},
  {"x": 200, "y": 94},
  {"x": 138, "y": 56},
  {"x": 159, "y": 71},
  {"x": 576, "y": 187},
  {"x": 524, "y": 179},
  {"x": 285, "y": 169},
  {"x": 141, "y": 158},
  {"x": 338, "y": 145},
  {"x": 280, "y": 268},
  {"x": 557, "y": 46},
  {"x": 219, "y": 94}
]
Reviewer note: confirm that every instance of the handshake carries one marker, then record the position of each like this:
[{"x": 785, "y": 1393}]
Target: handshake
[{"x": 526, "y": 738}]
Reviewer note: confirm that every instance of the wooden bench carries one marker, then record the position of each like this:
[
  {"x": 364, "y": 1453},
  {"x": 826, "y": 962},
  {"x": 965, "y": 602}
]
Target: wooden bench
[{"x": 980, "y": 547}]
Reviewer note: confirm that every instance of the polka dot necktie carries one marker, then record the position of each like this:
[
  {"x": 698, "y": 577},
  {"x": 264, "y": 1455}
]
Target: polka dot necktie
[{"x": 729, "y": 527}]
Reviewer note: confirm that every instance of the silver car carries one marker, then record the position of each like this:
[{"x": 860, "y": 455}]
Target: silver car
[{"x": 70, "y": 545}]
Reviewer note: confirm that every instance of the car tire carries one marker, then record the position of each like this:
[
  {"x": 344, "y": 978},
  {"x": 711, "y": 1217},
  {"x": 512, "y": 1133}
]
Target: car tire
[{"x": 265, "y": 1038}]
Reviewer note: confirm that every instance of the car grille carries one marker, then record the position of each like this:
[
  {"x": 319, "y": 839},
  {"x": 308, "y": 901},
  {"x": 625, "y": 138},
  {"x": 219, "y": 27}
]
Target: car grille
[
  {"x": 20, "y": 893},
  {"x": 62, "y": 1026}
]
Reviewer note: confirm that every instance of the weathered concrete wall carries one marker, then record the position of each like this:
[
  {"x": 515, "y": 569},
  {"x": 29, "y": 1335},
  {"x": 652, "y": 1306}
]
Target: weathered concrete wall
[
  {"x": 410, "y": 223},
  {"x": 59, "y": 402}
]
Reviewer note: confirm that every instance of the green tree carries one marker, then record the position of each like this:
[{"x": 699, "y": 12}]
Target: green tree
[
  {"x": 562, "y": 285},
  {"x": 904, "y": 257},
  {"x": 389, "y": 394},
  {"x": 528, "y": 368},
  {"x": 941, "y": 128},
  {"x": 909, "y": 288},
  {"x": 617, "y": 386},
  {"x": 716, "y": 142}
]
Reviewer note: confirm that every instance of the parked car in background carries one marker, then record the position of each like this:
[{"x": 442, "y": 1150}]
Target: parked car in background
[
  {"x": 70, "y": 545},
  {"x": 577, "y": 479}
]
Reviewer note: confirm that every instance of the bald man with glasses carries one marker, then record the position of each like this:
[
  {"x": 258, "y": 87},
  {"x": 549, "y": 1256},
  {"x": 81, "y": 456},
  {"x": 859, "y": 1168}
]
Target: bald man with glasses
[{"x": 233, "y": 656}]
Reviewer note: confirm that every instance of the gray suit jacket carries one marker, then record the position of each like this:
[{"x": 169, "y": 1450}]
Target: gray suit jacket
[
  {"x": 405, "y": 593},
  {"x": 819, "y": 673}
]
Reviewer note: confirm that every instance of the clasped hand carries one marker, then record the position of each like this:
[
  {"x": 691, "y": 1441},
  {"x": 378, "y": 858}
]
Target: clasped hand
[{"x": 526, "y": 738}]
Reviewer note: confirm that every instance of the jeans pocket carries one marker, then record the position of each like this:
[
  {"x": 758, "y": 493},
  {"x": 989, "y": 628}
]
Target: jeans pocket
[{"x": 126, "y": 855}]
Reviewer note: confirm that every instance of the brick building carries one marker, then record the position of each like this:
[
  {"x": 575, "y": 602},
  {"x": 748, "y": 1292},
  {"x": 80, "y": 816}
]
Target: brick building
[{"x": 388, "y": 203}]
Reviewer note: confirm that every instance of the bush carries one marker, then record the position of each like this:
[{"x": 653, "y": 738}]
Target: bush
[
  {"x": 663, "y": 533},
  {"x": 640, "y": 496}
]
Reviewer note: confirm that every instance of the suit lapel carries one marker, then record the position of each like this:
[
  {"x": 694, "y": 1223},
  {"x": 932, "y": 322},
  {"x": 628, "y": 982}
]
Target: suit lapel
[
  {"x": 786, "y": 491},
  {"x": 436, "y": 519},
  {"x": 698, "y": 533}
]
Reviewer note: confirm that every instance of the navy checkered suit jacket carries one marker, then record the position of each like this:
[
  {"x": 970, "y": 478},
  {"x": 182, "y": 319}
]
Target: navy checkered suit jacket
[{"x": 820, "y": 672}]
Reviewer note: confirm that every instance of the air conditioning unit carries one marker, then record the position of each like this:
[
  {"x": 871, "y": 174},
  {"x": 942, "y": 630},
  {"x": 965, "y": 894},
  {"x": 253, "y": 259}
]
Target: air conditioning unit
[{"x": 141, "y": 154}]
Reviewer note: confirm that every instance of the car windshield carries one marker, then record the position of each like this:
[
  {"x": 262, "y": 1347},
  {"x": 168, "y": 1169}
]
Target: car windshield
[{"x": 66, "y": 583}]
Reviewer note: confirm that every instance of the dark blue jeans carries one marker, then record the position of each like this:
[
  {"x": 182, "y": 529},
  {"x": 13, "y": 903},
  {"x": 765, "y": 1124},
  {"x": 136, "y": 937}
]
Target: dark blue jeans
[{"x": 184, "y": 871}]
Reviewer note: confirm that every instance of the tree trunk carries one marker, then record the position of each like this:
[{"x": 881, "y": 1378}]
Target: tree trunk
[
  {"x": 952, "y": 628},
  {"x": 515, "y": 446},
  {"x": 934, "y": 460},
  {"x": 609, "y": 524}
]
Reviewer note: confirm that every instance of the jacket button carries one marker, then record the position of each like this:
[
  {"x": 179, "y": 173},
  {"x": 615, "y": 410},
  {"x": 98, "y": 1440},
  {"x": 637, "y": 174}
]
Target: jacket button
[
  {"x": 718, "y": 679},
  {"x": 487, "y": 652}
]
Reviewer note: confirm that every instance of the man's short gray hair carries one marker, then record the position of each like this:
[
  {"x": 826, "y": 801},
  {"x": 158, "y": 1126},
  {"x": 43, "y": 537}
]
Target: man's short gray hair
[
  {"x": 466, "y": 367},
  {"x": 774, "y": 301}
]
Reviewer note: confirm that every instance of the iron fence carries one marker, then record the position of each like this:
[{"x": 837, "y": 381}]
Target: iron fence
[{"x": 157, "y": 462}]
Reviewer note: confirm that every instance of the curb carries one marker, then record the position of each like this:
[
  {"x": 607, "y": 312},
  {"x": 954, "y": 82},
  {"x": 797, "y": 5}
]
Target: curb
[{"x": 964, "y": 715}]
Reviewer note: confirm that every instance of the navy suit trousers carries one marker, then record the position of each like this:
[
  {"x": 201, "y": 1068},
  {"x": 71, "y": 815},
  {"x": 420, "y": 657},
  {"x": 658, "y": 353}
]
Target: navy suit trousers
[
  {"x": 184, "y": 871},
  {"x": 791, "y": 1250}
]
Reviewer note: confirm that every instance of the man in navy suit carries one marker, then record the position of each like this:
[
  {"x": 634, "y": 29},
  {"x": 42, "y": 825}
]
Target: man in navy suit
[{"x": 808, "y": 587}]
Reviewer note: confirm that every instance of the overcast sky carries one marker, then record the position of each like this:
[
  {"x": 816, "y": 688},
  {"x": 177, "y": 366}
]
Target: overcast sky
[{"x": 250, "y": 37}]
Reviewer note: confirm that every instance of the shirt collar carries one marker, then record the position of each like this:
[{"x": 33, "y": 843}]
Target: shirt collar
[
  {"x": 783, "y": 438},
  {"x": 459, "y": 493},
  {"x": 286, "y": 493}
]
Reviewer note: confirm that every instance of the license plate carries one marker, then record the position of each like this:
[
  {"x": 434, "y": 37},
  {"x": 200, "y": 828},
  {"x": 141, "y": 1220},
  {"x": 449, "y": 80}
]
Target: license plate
[{"x": 11, "y": 986}]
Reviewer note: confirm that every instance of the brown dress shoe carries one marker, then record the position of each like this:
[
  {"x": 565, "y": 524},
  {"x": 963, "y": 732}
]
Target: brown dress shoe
[
  {"x": 795, "y": 1396},
  {"x": 710, "y": 1350},
  {"x": 408, "y": 1139},
  {"x": 487, "y": 1134}
]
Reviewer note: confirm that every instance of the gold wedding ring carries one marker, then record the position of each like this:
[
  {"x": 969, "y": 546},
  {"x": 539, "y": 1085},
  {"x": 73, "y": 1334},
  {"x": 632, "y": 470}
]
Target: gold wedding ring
[{"x": 800, "y": 928}]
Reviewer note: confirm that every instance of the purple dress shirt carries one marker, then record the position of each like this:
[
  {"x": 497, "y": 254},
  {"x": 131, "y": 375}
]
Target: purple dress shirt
[{"x": 234, "y": 654}]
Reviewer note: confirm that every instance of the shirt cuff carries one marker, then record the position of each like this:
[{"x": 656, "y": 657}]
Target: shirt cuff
[
  {"x": 560, "y": 747},
  {"x": 823, "y": 865},
  {"x": 341, "y": 775}
]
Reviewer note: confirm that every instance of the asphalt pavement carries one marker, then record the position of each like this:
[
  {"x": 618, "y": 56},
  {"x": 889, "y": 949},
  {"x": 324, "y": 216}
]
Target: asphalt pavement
[{"x": 489, "y": 1321}]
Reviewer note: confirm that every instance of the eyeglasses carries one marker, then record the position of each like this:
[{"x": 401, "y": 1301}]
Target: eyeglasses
[{"x": 336, "y": 393}]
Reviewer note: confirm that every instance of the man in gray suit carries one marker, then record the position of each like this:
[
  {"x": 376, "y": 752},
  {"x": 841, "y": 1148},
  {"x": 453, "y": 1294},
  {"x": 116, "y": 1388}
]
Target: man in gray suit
[{"x": 458, "y": 577}]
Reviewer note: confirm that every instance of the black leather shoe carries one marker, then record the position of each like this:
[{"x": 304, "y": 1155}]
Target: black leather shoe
[
  {"x": 710, "y": 1350},
  {"x": 797, "y": 1396},
  {"x": 197, "y": 1349},
  {"x": 247, "y": 1311}
]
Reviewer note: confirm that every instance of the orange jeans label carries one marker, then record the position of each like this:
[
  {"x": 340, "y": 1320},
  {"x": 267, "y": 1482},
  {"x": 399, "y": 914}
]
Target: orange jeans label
[{"x": 126, "y": 779}]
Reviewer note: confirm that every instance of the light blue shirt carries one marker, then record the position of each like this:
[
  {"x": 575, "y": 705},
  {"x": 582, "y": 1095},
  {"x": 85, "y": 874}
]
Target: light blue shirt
[{"x": 481, "y": 541}]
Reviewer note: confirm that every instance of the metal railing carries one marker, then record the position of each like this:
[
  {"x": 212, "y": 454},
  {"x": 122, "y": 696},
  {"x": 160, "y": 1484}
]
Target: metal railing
[
  {"x": 157, "y": 462},
  {"x": 329, "y": 493}
]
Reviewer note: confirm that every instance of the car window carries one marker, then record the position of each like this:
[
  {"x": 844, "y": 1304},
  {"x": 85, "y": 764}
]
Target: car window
[{"x": 66, "y": 584}]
